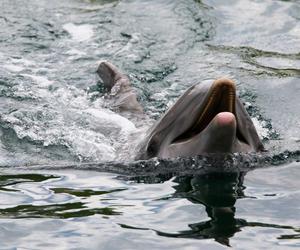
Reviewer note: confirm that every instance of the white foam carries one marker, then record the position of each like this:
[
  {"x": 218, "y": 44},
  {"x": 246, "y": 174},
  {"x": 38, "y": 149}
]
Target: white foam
[
  {"x": 13, "y": 68},
  {"x": 22, "y": 61},
  {"x": 83, "y": 142},
  {"x": 40, "y": 80},
  {"x": 15, "y": 64},
  {"x": 76, "y": 52},
  {"x": 262, "y": 131},
  {"x": 89, "y": 131},
  {"x": 112, "y": 118},
  {"x": 88, "y": 144},
  {"x": 79, "y": 33}
]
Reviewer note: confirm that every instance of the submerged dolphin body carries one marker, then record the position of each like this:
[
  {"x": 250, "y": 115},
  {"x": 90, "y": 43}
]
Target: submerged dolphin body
[{"x": 207, "y": 118}]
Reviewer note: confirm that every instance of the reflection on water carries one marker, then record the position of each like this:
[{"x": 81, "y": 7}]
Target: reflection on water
[
  {"x": 218, "y": 193},
  {"x": 8, "y": 180},
  {"x": 207, "y": 206},
  {"x": 83, "y": 193},
  {"x": 61, "y": 211}
]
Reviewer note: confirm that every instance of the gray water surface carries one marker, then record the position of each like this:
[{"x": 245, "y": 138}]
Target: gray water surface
[
  {"x": 95, "y": 210},
  {"x": 53, "y": 114}
]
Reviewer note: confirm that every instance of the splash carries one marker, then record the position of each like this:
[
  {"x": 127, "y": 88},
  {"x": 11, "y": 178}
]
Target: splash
[{"x": 79, "y": 33}]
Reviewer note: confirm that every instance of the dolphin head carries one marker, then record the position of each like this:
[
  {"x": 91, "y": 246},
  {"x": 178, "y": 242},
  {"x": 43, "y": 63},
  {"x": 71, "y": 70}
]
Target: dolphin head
[{"x": 207, "y": 118}]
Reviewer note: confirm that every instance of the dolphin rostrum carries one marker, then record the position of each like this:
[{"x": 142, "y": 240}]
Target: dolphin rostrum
[{"x": 207, "y": 118}]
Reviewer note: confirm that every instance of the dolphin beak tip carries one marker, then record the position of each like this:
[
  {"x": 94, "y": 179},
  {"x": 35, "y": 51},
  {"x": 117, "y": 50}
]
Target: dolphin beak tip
[{"x": 225, "y": 118}]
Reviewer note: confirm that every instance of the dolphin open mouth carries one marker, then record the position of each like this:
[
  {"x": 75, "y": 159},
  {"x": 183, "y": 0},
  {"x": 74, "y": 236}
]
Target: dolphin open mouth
[{"x": 221, "y": 97}]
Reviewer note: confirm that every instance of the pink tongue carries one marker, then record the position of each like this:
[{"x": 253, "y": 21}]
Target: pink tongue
[{"x": 225, "y": 118}]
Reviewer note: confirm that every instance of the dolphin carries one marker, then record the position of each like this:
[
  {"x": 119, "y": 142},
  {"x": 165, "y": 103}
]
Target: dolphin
[
  {"x": 118, "y": 84},
  {"x": 207, "y": 118}
]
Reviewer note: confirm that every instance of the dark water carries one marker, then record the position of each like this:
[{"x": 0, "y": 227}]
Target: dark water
[{"x": 53, "y": 115}]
